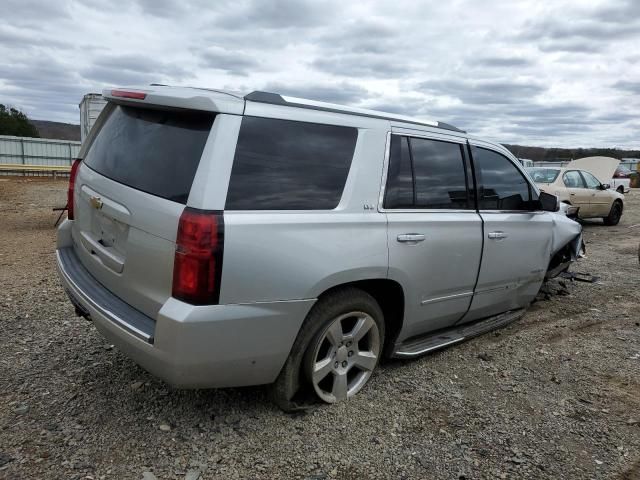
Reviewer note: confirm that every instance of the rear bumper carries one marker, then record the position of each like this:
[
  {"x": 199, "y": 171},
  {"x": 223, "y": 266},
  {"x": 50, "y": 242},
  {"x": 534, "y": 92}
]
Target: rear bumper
[{"x": 190, "y": 346}]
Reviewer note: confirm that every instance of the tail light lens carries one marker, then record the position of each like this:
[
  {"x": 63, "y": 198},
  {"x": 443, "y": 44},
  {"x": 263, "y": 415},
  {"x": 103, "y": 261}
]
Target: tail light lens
[
  {"x": 72, "y": 184},
  {"x": 129, "y": 94},
  {"x": 197, "y": 267}
]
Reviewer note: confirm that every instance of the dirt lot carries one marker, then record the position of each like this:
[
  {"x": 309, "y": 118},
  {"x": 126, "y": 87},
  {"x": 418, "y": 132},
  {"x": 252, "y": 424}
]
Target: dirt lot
[{"x": 555, "y": 395}]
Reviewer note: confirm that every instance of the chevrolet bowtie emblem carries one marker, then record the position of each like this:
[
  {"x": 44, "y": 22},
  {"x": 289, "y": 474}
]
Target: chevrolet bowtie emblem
[{"x": 96, "y": 202}]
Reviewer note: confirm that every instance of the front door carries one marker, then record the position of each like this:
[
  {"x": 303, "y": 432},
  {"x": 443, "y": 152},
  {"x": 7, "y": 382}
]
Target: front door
[
  {"x": 600, "y": 199},
  {"x": 434, "y": 232},
  {"x": 517, "y": 240},
  {"x": 579, "y": 195}
]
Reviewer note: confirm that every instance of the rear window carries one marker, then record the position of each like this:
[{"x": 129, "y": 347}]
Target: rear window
[
  {"x": 155, "y": 151},
  {"x": 289, "y": 165},
  {"x": 543, "y": 175}
]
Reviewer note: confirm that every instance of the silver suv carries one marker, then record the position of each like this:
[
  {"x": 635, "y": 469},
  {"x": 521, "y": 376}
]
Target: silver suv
[{"x": 225, "y": 240}]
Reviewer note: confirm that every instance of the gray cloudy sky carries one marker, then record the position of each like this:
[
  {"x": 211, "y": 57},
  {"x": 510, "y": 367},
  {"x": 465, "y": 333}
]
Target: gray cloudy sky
[{"x": 550, "y": 73}]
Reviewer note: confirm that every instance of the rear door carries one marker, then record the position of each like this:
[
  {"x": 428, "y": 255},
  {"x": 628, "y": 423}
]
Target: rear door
[
  {"x": 131, "y": 188},
  {"x": 517, "y": 240},
  {"x": 579, "y": 195},
  {"x": 434, "y": 231}
]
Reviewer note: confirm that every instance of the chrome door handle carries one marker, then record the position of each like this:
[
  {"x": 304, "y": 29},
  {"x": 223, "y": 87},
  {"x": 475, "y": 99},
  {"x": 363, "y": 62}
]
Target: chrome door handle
[
  {"x": 411, "y": 237},
  {"x": 497, "y": 235}
]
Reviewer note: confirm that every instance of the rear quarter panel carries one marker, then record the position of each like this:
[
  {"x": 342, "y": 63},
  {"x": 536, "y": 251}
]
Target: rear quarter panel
[{"x": 290, "y": 256}]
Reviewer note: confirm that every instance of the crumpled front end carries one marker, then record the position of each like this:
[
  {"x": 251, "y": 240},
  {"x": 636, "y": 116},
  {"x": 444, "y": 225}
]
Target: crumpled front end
[{"x": 567, "y": 245}]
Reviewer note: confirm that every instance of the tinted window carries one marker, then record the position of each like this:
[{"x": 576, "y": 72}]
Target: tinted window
[
  {"x": 155, "y": 151},
  {"x": 439, "y": 174},
  {"x": 436, "y": 169},
  {"x": 399, "y": 191},
  {"x": 591, "y": 181},
  {"x": 287, "y": 165},
  {"x": 572, "y": 179},
  {"x": 503, "y": 187}
]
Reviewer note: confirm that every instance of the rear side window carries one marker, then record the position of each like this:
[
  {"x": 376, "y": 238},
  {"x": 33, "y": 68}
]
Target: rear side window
[
  {"x": 543, "y": 175},
  {"x": 439, "y": 174},
  {"x": 289, "y": 165},
  {"x": 573, "y": 179},
  {"x": 425, "y": 174},
  {"x": 155, "y": 151},
  {"x": 399, "y": 191},
  {"x": 503, "y": 186}
]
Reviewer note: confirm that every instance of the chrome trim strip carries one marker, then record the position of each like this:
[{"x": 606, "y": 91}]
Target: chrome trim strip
[
  {"x": 529, "y": 212},
  {"x": 451, "y": 137},
  {"x": 446, "y": 297},
  {"x": 426, "y": 210},
  {"x": 110, "y": 315}
]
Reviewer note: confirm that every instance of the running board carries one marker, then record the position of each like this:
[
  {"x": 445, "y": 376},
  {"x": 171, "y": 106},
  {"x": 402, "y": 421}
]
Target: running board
[{"x": 442, "y": 338}]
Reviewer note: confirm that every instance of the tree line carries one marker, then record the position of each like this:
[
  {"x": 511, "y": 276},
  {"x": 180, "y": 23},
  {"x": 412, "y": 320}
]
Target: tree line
[
  {"x": 541, "y": 154},
  {"x": 14, "y": 122}
]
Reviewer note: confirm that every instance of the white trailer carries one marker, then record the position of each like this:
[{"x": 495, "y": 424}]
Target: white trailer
[{"x": 90, "y": 107}]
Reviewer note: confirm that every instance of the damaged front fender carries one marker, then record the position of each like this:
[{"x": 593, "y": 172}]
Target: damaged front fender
[{"x": 566, "y": 245}]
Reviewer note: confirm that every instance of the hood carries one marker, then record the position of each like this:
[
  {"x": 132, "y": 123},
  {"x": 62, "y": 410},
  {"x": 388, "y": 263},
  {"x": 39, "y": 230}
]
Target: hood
[{"x": 602, "y": 168}]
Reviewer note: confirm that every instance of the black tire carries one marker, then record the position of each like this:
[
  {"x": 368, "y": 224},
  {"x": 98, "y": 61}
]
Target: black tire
[
  {"x": 292, "y": 391},
  {"x": 614, "y": 214}
]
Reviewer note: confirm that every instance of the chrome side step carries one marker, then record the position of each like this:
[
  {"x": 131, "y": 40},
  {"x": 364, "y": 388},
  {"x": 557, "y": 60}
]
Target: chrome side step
[{"x": 442, "y": 338}]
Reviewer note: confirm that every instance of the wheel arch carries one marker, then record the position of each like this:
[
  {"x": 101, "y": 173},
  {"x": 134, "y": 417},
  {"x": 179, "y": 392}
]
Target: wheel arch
[{"x": 390, "y": 296}]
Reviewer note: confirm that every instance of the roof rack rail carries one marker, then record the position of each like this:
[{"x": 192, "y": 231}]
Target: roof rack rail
[{"x": 277, "y": 99}]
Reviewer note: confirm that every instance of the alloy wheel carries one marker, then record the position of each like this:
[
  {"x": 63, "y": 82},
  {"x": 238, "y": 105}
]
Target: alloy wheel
[{"x": 344, "y": 356}]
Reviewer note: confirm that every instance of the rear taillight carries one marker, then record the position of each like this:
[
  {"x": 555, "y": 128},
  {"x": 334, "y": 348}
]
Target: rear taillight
[
  {"x": 197, "y": 266},
  {"x": 72, "y": 183},
  {"x": 129, "y": 94}
]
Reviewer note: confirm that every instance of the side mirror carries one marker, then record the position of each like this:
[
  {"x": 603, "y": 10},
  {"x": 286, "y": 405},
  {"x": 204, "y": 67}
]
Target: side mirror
[
  {"x": 548, "y": 202},
  {"x": 605, "y": 186}
]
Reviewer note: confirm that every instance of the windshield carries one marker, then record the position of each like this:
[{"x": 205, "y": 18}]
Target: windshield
[{"x": 543, "y": 175}]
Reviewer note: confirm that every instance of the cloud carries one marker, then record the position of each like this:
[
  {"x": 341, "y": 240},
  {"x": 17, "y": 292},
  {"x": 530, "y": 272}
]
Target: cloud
[
  {"x": 583, "y": 29},
  {"x": 341, "y": 93},
  {"x": 162, "y": 8},
  {"x": 561, "y": 73},
  {"x": 131, "y": 69},
  {"x": 233, "y": 62},
  {"x": 21, "y": 13},
  {"x": 628, "y": 86},
  {"x": 363, "y": 65},
  {"x": 501, "y": 62},
  {"x": 483, "y": 91},
  {"x": 276, "y": 14},
  {"x": 361, "y": 37}
]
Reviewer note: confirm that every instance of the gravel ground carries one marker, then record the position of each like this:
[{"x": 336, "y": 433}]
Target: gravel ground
[{"x": 554, "y": 395}]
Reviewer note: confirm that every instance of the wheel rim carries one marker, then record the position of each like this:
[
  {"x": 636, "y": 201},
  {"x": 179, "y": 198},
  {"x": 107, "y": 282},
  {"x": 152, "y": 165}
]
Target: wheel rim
[{"x": 345, "y": 356}]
